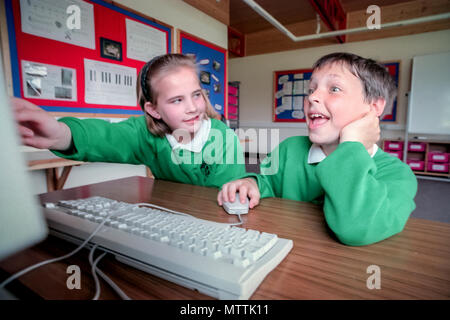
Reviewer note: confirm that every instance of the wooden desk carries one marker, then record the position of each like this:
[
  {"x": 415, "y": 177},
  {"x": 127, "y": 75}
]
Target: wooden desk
[
  {"x": 55, "y": 181},
  {"x": 414, "y": 264}
]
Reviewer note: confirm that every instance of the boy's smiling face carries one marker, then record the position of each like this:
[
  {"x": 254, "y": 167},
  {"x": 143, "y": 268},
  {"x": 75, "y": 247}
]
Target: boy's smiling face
[{"x": 336, "y": 98}]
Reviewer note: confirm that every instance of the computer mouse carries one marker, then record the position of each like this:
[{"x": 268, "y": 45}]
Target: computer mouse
[{"x": 236, "y": 207}]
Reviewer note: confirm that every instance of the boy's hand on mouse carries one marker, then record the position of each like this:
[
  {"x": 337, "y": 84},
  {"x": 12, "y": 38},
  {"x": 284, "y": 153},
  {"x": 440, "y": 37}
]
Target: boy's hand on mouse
[
  {"x": 39, "y": 129},
  {"x": 246, "y": 187},
  {"x": 365, "y": 130}
]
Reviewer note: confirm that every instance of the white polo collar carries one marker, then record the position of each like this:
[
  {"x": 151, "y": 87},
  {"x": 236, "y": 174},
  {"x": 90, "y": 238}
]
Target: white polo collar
[
  {"x": 196, "y": 144},
  {"x": 317, "y": 155}
]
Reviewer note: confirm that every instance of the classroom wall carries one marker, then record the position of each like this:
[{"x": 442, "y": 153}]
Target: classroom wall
[
  {"x": 182, "y": 16},
  {"x": 176, "y": 13},
  {"x": 256, "y": 76}
]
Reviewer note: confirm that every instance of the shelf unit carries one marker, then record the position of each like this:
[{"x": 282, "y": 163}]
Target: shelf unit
[
  {"x": 426, "y": 158},
  {"x": 232, "y": 115}
]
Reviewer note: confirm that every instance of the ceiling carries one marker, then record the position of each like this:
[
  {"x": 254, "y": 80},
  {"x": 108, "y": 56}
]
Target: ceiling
[
  {"x": 245, "y": 20},
  {"x": 255, "y": 35}
]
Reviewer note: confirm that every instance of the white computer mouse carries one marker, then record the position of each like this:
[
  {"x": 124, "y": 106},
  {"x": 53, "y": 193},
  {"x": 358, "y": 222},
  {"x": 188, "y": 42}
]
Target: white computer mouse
[{"x": 236, "y": 207}]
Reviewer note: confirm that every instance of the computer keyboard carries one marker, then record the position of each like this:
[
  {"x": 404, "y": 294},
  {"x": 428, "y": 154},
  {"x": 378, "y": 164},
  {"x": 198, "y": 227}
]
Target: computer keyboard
[{"x": 219, "y": 260}]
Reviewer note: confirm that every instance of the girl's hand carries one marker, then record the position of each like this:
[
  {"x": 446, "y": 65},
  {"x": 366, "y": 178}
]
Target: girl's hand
[
  {"x": 39, "y": 129},
  {"x": 247, "y": 188}
]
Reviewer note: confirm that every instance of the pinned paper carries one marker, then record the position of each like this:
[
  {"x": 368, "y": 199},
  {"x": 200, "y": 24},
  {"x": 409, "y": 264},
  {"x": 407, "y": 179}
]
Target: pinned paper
[
  {"x": 144, "y": 42},
  {"x": 283, "y": 79},
  {"x": 45, "y": 81},
  {"x": 298, "y": 103},
  {"x": 216, "y": 65},
  {"x": 280, "y": 109},
  {"x": 47, "y": 19},
  {"x": 109, "y": 84},
  {"x": 279, "y": 94},
  {"x": 287, "y": 101},
  {"x": 306, "y": 86},
  {"x": 298, "y": 87},
  {"x": 298, "y": 114},
  {"x": 214, "y": 77},
  {"x": 287, "y": 88}
]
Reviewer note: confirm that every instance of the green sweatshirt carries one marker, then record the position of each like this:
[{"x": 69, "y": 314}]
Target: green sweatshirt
[
  {"x": 129, "y": 141},
  {"x": 365, "y": 200}
]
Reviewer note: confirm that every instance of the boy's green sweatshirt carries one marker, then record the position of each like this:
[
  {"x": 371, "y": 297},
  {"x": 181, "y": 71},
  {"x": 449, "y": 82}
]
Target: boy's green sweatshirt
[
  {"x": 365, "y": 199},
  {"x": 129, "y": 141}
]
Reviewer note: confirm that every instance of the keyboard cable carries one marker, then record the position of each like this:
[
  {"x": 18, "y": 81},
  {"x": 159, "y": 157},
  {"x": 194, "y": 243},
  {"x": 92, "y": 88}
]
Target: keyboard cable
[
  {"x": 93, "y": 270},
  {"x": 96, "y": 270},
  {"x": 43, "y": 263}
]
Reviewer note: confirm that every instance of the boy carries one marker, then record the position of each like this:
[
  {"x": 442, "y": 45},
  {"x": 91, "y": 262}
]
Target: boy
[{"x": 367, "y": 195}]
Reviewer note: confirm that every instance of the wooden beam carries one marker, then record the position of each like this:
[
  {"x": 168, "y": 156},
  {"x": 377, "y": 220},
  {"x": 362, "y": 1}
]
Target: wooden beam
[
  {"x": 236, "y": 43},
  {"x": 398, "y": 12},
  {"x": 332, "y": 14},
  {"x": 219, "y": 10}
]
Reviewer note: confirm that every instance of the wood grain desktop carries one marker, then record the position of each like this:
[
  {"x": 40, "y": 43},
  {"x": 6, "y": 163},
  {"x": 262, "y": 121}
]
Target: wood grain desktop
[{"x": 414, "y": 264}]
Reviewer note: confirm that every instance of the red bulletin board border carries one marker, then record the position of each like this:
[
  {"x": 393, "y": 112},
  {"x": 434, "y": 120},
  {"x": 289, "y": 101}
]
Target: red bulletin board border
[{"x": 109, "y": 21}]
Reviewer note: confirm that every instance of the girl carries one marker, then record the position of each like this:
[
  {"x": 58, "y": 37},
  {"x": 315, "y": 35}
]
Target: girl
[{"x": 177, "y": 138}]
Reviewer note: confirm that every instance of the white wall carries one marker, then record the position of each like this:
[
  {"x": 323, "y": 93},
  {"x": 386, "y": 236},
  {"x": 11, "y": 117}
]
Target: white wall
[
  {"x": 181, "y": 15},
  {"x": 256, "y": 76},
  {"x": 176, "y": 13}
]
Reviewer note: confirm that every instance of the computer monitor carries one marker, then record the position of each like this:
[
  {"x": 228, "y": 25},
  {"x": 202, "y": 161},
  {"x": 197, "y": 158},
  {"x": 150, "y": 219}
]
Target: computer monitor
[{"x": 22, "y": 222}]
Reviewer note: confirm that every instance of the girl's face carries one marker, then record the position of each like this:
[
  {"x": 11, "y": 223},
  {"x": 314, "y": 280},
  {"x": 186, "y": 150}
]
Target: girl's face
[{"x": 180, "y": 103}]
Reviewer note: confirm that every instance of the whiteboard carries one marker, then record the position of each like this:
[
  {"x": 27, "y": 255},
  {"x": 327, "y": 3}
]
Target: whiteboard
[{"x": 429, "y": 105}]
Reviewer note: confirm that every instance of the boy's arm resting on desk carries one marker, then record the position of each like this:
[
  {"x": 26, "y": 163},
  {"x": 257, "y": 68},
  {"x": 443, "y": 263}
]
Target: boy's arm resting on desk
[
  {"x": 366, "y": 199},
  {"x": 96, "y": 140}
]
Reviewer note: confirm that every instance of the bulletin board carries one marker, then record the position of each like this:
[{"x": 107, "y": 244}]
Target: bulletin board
[
  {"x": 212, "y": 62},
  {"x": 291, "y": 88},
  {"x": 394, "y": 70},
  {"x": 82, "y": 70}
]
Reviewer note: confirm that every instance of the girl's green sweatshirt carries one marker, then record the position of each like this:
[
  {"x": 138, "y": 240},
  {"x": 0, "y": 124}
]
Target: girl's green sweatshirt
[{"x": 129, "y": 141}]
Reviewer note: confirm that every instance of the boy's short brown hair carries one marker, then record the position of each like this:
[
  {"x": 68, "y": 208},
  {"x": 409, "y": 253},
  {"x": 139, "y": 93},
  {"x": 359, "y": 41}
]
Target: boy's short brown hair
[
  {"x": 375, "y": 78},
  {"x": 146, "y": 93}
]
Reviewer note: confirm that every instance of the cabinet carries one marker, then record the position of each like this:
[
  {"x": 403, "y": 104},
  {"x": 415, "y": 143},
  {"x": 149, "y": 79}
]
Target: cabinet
[
  {"x": 232, "y": 114},
  {"x": 428, "y": 158}
]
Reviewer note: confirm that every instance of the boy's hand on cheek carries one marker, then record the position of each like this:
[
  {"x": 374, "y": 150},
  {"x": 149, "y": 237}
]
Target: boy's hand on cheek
[{"x": 365, "y": 130}]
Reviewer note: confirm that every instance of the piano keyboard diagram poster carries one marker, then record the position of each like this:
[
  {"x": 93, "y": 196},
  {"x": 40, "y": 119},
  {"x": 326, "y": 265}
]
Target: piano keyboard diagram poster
[
  {"x": 212, "y": 62},
  {"x": 86, "y": 71}
]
